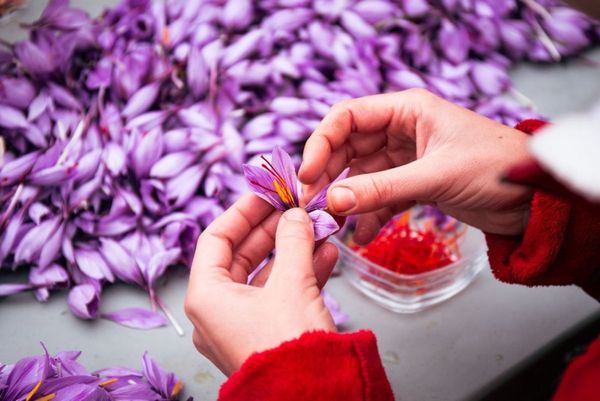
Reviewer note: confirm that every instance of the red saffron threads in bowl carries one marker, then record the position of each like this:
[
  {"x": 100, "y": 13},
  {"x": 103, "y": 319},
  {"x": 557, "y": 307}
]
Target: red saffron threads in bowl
[{"x": 408, "y": 248}]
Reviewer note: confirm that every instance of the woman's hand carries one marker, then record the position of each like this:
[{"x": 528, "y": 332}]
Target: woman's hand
[
  {"x": 232, "y": 319},
  {"x": 412, "y": 147}
]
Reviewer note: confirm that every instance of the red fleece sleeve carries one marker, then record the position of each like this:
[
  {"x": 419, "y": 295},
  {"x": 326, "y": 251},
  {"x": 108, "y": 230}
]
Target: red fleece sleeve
[
  {"x": 318, "y": 366},
  {"x": 581, "y": 381},
  {"x": 561, "y": 244}
]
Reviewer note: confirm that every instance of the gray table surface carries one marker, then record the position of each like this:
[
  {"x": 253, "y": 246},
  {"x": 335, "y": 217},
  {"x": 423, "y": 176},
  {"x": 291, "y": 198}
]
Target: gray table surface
[{"x": 451, "y": 352}]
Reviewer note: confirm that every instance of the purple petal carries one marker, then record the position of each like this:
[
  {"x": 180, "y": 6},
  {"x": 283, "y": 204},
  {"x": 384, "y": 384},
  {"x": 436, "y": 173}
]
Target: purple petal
[
  {"x": 147, "y": 152},
  {"x": 454, "y": 42},
  {"x": 181, "y": 188},
  {"x": 36, "y": 136},
  {"x": 333, "y": 306},
  {"x": 34, "y": 59},
  {"x": 114, "y": 158},
  {"x": 489, "y": 78},
  {"x": 87, "y": 165},
  {"x": 288, "y": 20},
  {"x": 51, "y": 247},
  {"x": 17, "y": 92},
  {"x": 58, "y": 14},
  {"x": 292, "y": 130},
  {"x": 68, "y": 364},
  {"x": 53, "y": 175},
  {"x": 16, "y": 169},
  {"x": 374, "y": 11},
  {"x": 284, "y": 166},
  {"x": 357, "y": 26},
  {"x": 120, "y": 262},
  {"x": 63, "y": 97},
  {"x": 30, "y": 246},
  {"x": 137, "y": 318},
  {"x": 261, "y": 125},
  {"x": 319, "y": 201},
  {"x": 233, "y": 142},
  {"x": 263, "y": 145},
  {"x": 84, "y": 301},
  {"x": 25, "y": 375},
  {"x": 100, "y": 77},
  {"x": 141, "y": 100},
  {"x": 415, "y": 8},
  {"x": 10, "y": 289},
  {"x": 289, "y": 106},
  {"x": 194, "y": 117},
  {"x": 237, "y": 14},
  {"x": 261, "y": 183},
  {"x": 242, "y": 48},
  {"x": 111, "y": 226},
  {"x": 172, "y": 164},
  {"x": 158, "y": 264},
  {"x": 197, "y": 72},
  {"x": 11, "y": 117},
  {"x": 93, "y": 264},
  {"x": 323, "y": 223},
  {"x": 39, "y": 105},
  {"x": 82, "y": 392},
  {"x": 9, "y": 236},
  {"x": 50, "y": 276},
  {"x": 161, "y": 381}
]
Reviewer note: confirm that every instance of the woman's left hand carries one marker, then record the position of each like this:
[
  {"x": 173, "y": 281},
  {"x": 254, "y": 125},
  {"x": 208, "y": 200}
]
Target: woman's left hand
[{"x": 233, "y": 320}]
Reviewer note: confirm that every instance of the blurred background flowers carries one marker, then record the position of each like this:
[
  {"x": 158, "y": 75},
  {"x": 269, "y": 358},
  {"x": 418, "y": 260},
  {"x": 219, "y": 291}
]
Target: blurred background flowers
[{"x": 123, "y": 136}]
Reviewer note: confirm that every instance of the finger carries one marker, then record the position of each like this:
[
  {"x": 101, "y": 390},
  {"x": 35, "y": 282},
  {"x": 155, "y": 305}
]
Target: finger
[
  {"x": 370, "y": 114},
  {"x": 294, "y": 245},
  {"x": 415, "y": 181},
  {"x": 215, "y": 245},
  {"x": 255, "y": 248},
  {"x": 324, "y": 260}
]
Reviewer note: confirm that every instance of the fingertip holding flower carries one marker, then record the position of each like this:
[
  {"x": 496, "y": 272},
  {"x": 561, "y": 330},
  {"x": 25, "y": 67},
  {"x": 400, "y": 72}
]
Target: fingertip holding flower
[
  {"x": 342, "y": 200},
  {"x": 277, "y": 183}
]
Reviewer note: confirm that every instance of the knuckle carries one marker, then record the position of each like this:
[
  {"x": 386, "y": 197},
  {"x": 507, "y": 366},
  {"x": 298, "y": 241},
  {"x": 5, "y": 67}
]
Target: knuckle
[
  {"x": 420, "y": 93},
  {"x": 382, "y": 187},
  {"x": 189, "y": 307},
  {"x": 341, "y": 106}
]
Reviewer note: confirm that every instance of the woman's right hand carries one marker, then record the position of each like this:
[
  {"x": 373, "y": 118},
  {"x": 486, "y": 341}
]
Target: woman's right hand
[{"x": 413, "y": 146}]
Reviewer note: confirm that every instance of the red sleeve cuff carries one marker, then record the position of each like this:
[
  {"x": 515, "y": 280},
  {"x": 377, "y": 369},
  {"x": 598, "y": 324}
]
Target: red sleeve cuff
[
  {"x": 581, "y": 381},
  {"x": 560, "y": 243},
  {"x": 318, "y": 366}
]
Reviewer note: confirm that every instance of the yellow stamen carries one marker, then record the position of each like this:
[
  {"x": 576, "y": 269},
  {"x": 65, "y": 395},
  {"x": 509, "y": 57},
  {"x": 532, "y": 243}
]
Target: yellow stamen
[
  {"x": 108, "y": 382},
  {"x": 46, "y": 397},
  {"x": 177, "y": 388},
  {"x": 285, "y": 193},
  {"x": 33, "y": 391}
]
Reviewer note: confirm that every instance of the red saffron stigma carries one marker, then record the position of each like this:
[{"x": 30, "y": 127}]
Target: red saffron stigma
[{"x": 406, "y": 248}]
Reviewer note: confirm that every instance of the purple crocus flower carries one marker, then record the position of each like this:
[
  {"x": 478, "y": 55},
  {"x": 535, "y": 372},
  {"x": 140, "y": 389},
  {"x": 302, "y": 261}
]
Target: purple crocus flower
[
  {"x": 62, "y": 378},
  {"x": 276, "y": 182}
]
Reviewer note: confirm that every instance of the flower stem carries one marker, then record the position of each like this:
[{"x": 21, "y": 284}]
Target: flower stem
[
  {"x": 169, "y": 315},
  {"x": 522, "y": 98},
  {"x": 537, "y": 8},
  {"x": 547, "y": 41}
]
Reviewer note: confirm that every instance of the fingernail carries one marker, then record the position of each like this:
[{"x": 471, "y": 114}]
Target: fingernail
[
  {"x": 343, "y": 199},
  {"x": 296, "y": 214}
]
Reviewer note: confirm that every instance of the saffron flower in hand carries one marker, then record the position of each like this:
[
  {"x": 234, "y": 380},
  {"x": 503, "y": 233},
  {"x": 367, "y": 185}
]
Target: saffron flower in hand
[{"x": 276, "y": 182}]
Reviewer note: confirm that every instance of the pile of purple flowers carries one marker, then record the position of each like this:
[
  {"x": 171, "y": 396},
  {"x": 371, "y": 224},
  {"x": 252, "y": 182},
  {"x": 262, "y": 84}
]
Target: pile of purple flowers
[
  {"x": 62, "y": 378},
  {"x": 121, "y": 137}
]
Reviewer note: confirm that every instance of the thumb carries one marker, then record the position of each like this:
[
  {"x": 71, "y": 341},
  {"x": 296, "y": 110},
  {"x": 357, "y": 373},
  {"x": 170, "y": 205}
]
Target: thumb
[
  {"x": 294, "y": 245},
  {"x": 415, "y": 181}
]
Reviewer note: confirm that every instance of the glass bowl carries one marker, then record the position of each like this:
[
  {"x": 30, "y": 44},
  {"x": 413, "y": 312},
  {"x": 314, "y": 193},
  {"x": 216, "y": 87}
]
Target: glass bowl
[{"x": 403, "y": 293}]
